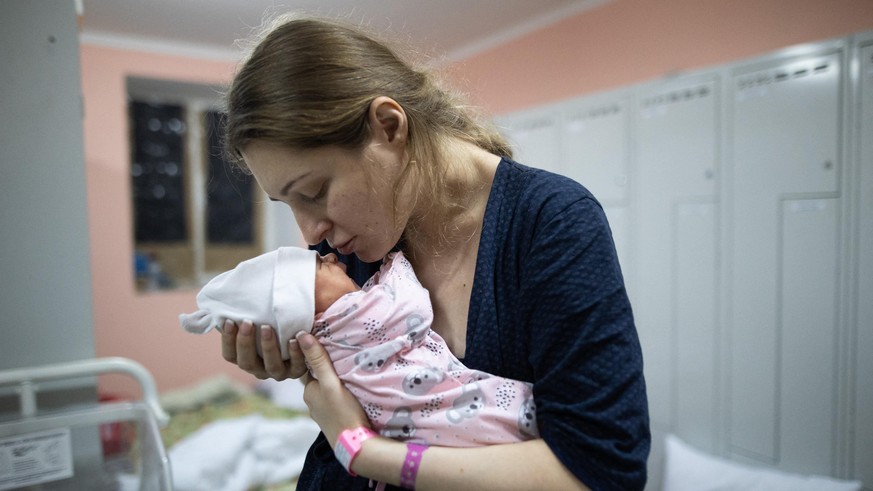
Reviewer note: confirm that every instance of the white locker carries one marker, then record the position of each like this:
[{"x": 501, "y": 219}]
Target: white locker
[
  {"x": 675, "y": 220},
  {"x": 806, "y": 403},
  {"x": 594, "y": 150},
  {"x": 697, "y": 384},
  {"x": 863, "y": 341},
  {"x": 46, "y": 248},
  {"x": 46, "y": 297},
  {"x": 595, "y": 147},
  {"x": 784, "y": 156},
  {"x": 535, "y": 138},
  {"x": 743, "y": 224}
]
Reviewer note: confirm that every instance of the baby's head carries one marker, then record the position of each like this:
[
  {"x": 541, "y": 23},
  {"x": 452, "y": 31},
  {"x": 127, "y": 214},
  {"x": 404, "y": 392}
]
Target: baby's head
[
  {"x": 305, "y": 285},
  {"x": 331, "y": 282},
  {"x": 284, "y": 288}
]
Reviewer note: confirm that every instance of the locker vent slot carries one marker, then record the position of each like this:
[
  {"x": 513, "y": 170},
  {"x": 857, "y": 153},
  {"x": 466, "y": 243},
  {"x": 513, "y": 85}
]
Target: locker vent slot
[
  {"x": 536, "y": 124},
  {"x": 781, "y": 75},
  {"x": 596, "y": 112},
  {"x": 676, "y": 96}
]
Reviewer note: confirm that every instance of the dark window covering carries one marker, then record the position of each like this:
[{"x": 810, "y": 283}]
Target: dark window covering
[
  {"x": 229, "y": 192},
  {"x": 158, "y": 172}
]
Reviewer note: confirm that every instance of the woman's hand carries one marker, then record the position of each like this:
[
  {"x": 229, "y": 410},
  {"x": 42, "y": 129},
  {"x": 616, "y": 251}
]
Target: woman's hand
[
  {"x": 238, "y": 346},
  {"x": 331, "y": 405}
]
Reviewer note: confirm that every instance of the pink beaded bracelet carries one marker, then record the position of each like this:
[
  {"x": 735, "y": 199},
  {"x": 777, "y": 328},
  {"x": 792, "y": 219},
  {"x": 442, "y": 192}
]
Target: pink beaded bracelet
[{"x": 409, "y": 472}]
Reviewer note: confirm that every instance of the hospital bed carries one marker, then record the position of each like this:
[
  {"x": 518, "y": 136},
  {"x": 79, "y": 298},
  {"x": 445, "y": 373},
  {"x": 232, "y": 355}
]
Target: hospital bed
[{"x": 99, "y": 445}]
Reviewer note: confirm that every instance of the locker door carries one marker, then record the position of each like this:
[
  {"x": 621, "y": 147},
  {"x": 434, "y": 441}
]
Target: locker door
[
  {"x": 594, "y": 149},
  {"x": 806, "y": 405},
  {"x": 594, "y": 146},
  {"x": 534, "y": 136},
  {"x": 42, "y": 156},
  {"x": 675, "y": 218},
  {"x": 863, "y": 451},
  {"x": 784, "y": 189}
]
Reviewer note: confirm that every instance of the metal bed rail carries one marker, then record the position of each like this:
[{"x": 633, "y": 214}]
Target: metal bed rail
[{"x": 65, "y": 448}]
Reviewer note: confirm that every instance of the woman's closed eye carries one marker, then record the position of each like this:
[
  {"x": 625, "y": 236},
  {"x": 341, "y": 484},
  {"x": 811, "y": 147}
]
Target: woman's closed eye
[{"x": 316, "y": 196}]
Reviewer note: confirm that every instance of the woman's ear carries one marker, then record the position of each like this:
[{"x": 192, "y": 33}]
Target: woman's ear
[{"x": 387, "y": 120}]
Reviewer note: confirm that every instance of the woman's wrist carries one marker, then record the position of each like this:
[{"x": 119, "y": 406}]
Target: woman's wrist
[
  {"x": 349, "y": 444},
  {"x": 409, "y": 471},
  {"x": 361, "y": 451},
  {"x": 380, "y": 459}
]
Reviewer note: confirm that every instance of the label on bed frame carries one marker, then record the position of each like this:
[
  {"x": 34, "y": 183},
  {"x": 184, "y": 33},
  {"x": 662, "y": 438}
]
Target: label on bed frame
[{"x": 35, "y": 458}]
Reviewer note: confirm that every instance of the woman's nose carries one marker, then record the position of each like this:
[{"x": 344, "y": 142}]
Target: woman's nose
[{"x": 314, "y": 229}]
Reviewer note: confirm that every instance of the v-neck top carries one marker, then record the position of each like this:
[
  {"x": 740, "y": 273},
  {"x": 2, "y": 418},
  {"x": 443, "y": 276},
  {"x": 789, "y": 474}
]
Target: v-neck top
[{"x": 548, "y": 306}]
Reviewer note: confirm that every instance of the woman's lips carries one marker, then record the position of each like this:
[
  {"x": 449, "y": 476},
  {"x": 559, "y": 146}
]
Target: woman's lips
[{"x": 346, "y": 248}]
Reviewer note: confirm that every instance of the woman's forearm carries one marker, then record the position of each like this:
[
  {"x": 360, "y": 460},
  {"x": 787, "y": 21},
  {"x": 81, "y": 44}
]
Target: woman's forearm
[{"x": 525, "y": 465}]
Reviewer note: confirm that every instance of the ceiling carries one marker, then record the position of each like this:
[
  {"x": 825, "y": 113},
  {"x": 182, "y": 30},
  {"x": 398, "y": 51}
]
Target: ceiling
[{"x": 449, "y": 29}]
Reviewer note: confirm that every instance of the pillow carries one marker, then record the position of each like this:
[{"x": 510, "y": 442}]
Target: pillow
[{"x": 688, "y": 469}]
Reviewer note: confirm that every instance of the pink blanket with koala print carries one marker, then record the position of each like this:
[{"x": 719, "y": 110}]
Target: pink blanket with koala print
[{"x": 408, "y": 382}]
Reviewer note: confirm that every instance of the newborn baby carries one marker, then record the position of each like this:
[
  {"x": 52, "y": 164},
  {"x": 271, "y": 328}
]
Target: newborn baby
[{"x": 379, "y": 339}]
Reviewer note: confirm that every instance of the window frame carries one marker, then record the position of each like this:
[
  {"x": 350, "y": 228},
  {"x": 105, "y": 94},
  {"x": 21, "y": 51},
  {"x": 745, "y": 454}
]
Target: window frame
[{"x": 194, "y": 261}]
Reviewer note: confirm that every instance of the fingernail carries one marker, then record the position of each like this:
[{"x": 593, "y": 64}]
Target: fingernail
[
  {"x": 266, "y": 332},
  {"x": 304, "y": 339},
  {"x": 246, "y": 328},
  {"x": 229, "y": 327},
  {"x": 292, "y": 344}
]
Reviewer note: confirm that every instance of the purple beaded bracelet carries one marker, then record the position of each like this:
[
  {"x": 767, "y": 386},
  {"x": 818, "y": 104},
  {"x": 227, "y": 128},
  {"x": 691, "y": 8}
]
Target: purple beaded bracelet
[{"x": 409, "y": 472}]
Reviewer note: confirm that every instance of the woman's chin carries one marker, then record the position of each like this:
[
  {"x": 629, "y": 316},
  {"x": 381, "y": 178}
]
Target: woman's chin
[{"x": 367, "y": 258}]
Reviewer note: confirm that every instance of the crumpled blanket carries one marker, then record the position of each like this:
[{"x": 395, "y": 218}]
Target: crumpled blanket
[{"x": 241, "y": 453}]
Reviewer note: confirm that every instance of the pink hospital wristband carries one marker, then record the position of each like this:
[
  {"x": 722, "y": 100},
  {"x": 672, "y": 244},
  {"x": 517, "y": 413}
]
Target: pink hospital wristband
[
  {"x": 348, "y": 446},
  {"x": 409, "y": 472}
]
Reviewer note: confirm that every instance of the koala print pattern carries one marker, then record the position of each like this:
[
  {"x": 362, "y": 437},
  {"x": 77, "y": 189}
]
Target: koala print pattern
[
  {"x": 373, "y": 359},
  {"x": 400, "y": 426},
  {"x": 409, "y": 383},
  {"x": 432, "y": 406},
  {"x": 467, "y": 405},
  {"x": 321, "y": 328},
  {"x": 373, "y": 409},
  {"x": 375, "y": 331},
  {"x": 416, "y": 328},
  {"x": 506, "y": 393},
  {"x": 527, "y": 418},
  {"x": 421, "y": 381}
]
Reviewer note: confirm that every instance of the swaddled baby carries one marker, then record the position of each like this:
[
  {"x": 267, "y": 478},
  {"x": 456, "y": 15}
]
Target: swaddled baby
[{"x": 380, "y": 341}]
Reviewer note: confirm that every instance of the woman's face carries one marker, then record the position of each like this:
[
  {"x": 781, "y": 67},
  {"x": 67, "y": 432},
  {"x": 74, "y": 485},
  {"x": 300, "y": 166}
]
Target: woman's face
[{"x": 336, "y": 195}]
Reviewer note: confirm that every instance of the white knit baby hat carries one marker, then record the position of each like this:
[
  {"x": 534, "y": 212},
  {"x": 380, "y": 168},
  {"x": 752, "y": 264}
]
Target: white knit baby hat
[{"x": 276, "y": 289}]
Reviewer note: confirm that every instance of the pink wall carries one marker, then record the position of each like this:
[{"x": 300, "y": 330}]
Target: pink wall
[
  {"x": 621, "y": 43},
  {"x": 630, "y": 41},
  {"x": 143, "y": 327}
]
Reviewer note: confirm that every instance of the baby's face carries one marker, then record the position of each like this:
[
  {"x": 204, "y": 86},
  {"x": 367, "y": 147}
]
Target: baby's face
[{"x": 331, "y": 282}]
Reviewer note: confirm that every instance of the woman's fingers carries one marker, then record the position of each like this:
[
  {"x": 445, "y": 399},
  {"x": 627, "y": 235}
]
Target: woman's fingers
[
  {"x": 297, "y": 362},
  {"x": 331, "y": 405},
  {"x": 239, "y": 346},
  {"x": 228, "y": 341},
  {"x": 275, "y": 366},
  {"x": 320, "y": 365},
  {"x": 246, "y": 351}
]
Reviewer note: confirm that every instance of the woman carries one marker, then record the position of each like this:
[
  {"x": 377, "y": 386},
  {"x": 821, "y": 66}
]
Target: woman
[{"x": 372, "y": 156}]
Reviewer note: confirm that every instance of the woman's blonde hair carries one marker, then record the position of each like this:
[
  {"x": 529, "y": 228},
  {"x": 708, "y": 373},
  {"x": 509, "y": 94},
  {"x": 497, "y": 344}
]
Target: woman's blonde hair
[{"x": 309, "y": 83}]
